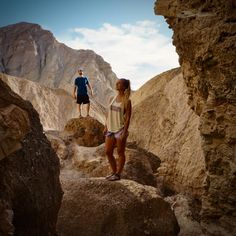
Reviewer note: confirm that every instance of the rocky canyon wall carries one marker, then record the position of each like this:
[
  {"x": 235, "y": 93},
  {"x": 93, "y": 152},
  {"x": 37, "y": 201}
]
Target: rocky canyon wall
[
  {"x": 205, "y": 39},
  {"x": 30, "y": 190}
]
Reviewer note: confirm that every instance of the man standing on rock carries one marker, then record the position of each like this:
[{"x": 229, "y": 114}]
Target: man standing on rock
[{"x": 80, "y": 91}]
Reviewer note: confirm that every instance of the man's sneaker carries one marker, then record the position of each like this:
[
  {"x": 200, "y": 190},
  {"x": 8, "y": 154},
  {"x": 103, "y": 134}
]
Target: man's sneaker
[{"x": 114, "y": 177}]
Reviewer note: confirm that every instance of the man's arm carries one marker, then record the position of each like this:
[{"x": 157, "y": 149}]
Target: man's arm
[
  {"x": 90, "y": 88},
  {"x": 74, "y": 92}
]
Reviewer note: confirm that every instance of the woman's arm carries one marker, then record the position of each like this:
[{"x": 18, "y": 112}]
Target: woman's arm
[{"x": 127, "y": 118}]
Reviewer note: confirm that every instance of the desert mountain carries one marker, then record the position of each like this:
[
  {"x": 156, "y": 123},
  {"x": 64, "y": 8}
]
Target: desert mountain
[
  {"x": 30, "y": 52},
  {"x": 54, "y": 105}
]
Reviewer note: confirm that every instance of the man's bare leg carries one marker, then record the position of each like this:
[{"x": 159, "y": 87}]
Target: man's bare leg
[
  {"x": 88, "y": 108},
  {"x": 79, "y": 109}
]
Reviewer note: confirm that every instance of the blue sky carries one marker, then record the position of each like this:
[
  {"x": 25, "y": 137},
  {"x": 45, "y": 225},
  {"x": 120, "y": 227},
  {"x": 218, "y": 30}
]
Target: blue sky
[{"x": 108, "y": 28}]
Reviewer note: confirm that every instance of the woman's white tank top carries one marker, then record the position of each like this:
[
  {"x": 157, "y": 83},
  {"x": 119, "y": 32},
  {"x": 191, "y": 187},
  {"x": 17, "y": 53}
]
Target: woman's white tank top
[{"x": 115, "y": 119}]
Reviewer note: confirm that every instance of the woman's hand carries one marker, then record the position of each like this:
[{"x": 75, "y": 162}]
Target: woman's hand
[
  {"x": 125, "y": 134},
  {"x": 74, "y": 96},
  {"x": 105, "y": 130}
]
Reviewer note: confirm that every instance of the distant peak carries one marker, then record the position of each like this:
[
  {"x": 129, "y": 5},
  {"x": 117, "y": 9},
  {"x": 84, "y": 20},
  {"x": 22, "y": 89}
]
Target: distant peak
[
  {"x": 22, "y": 24},
  {"x": 21, "y": 27}
]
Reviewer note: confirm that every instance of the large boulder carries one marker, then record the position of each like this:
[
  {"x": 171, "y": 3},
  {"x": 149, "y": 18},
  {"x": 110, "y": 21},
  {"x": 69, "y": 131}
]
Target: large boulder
[
  {"x": 99, "y": 207},
  {"x": 86, "y": 131},
  {"x": 205, "y": 39},
  {"x": 30, "y": 190}
]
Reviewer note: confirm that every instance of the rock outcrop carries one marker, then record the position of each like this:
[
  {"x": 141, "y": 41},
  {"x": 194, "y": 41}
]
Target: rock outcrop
[
  {"x": 205, "y": 39},
  {"x": 55, "y": 106},
  {"x": 86, "y": 132},
  {"x": 113, "y": 208},
  {"x": 28, "y": 51},
  {"x": 30, "y": 191},
  {"x": 170, "y": 131}
]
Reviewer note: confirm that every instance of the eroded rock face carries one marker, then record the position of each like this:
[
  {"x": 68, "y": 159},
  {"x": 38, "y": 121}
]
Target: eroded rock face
[
  {"x": 14, "y": 124},
  {"x": 30, "y": 191},
  {"x": 186, "y": 211},
  {"x": 6, "y": 219},
  {"x": 169, "y": 129},
  {"x": 28, "y": 51},
  {"x": 205, "y": 39},
  {"x": 113, "y": 208}
]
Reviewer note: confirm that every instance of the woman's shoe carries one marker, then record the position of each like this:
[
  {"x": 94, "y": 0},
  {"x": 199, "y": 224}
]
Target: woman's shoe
[
  {"x": 108, "y": 176},
  {"x": 114, "y": 177}
]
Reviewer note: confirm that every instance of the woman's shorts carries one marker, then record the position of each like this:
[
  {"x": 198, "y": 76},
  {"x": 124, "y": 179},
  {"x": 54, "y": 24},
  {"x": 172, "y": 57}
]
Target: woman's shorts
[
  {"x": 82, "y": 99},
  {"x": 116, "y": 135}
]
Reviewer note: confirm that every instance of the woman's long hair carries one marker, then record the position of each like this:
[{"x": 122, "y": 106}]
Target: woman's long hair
[{"x": 127, "y": 92}]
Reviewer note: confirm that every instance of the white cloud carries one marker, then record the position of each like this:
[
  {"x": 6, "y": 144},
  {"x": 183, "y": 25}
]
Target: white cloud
[{"x": 135, "y": 51}]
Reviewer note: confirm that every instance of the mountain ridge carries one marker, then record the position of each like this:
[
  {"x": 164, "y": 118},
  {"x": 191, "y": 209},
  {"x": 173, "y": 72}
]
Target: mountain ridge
[{"x": 29, "y": 51}]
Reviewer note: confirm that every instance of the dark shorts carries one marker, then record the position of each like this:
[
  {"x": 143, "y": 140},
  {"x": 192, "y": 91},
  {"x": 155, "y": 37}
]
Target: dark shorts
[{"x": 83, "y": 99}]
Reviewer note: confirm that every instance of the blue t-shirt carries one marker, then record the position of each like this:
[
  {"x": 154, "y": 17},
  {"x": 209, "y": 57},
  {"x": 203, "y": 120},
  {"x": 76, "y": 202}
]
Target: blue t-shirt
[{"x": 80, "y": 83}]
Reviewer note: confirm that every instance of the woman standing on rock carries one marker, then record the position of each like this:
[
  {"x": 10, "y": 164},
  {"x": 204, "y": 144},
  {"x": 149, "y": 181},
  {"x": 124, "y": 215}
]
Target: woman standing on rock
[{"x": 116, "y": 128}]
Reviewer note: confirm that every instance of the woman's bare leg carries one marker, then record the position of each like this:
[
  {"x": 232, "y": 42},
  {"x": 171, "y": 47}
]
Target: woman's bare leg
[
  {"x": 109, "y": 149},
  {"x": 121, "y": 153}
]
